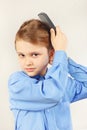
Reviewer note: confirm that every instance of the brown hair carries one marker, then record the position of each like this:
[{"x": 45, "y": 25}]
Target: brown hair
[{"x": 36, "y": 32}]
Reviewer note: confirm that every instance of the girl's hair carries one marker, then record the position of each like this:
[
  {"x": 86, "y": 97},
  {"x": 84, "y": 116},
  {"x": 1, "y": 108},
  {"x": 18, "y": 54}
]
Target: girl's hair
[{"x": 36, "y": 32}]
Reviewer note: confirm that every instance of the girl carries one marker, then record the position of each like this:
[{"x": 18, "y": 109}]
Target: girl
[{"x": 40, "y": 96}]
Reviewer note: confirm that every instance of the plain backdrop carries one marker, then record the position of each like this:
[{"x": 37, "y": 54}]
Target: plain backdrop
[{"x": 71, "y": 16}]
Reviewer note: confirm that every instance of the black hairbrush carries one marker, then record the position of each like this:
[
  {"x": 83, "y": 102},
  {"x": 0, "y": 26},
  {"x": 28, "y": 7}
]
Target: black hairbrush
[{"x": 44, "y": 17}]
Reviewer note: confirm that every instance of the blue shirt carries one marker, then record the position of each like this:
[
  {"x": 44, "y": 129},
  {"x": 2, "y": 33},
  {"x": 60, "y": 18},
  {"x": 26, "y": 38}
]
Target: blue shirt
[{"x": 43, "y": 102}]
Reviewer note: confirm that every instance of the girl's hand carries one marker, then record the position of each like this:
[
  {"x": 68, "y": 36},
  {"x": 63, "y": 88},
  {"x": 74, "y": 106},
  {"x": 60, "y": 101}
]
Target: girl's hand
[{"x": 58, "y": 40}]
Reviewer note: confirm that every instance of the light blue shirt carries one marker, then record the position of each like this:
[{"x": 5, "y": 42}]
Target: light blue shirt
[{"x": 43, "y": 103}]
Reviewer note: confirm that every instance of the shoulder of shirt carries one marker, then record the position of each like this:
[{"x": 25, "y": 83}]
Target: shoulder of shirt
[
  {"x": 15, "y": 80},
  {"x": 18, "y": 75}
]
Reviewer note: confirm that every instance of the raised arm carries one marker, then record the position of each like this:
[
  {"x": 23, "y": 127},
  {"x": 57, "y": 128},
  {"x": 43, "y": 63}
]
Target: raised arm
[{"x": 77, "y": 83}]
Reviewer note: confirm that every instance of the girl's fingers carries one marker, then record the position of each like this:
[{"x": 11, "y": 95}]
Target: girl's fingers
[
  {"x": 58, "y": 30},
  {"x": 59, "y": 39},
  {"x": 52, "y": 33}
]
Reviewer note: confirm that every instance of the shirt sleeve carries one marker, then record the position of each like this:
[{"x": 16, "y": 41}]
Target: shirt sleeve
[
  {"x": 77, "y": 71},
  {"x": 77, "y": 83},
  {"x": 27, "y": 93}
]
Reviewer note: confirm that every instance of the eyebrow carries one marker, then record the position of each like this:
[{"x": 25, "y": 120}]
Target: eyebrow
[{"x": 19, "y": 52}]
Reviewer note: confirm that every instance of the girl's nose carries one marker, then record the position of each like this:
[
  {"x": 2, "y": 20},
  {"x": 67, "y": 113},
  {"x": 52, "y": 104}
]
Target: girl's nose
[{"x": 29, "y": 61}]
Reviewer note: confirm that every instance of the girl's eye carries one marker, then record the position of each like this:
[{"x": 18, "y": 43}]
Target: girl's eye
[
  {"x": 21, "y": 55},
  {"x": 35, "y": 55}
]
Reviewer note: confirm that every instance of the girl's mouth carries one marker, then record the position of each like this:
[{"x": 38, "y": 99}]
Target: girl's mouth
[{"x": 29, "y": 69}]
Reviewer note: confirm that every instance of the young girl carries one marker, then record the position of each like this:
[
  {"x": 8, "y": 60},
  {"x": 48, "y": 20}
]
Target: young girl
[{"x": 40, "y": 96}]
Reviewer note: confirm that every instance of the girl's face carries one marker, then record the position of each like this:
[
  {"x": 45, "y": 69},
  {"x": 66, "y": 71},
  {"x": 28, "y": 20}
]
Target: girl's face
[{"x": 33, "y": 59}]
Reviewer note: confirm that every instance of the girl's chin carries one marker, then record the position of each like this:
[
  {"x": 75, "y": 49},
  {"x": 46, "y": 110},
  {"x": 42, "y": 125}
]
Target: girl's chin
[{"x": 31, "y": 74}]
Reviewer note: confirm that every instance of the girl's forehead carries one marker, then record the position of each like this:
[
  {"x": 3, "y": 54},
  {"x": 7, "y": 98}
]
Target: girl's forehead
[
  {"x": 23, "y": 46},
  {"x": 30, "y": 44}
]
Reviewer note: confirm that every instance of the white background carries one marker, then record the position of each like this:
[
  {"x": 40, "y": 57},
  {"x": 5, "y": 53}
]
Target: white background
[{"x": 71, "y": 16}]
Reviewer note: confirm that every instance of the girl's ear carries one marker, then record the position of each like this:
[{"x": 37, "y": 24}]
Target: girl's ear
[{"x": 51, "y": 56}]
